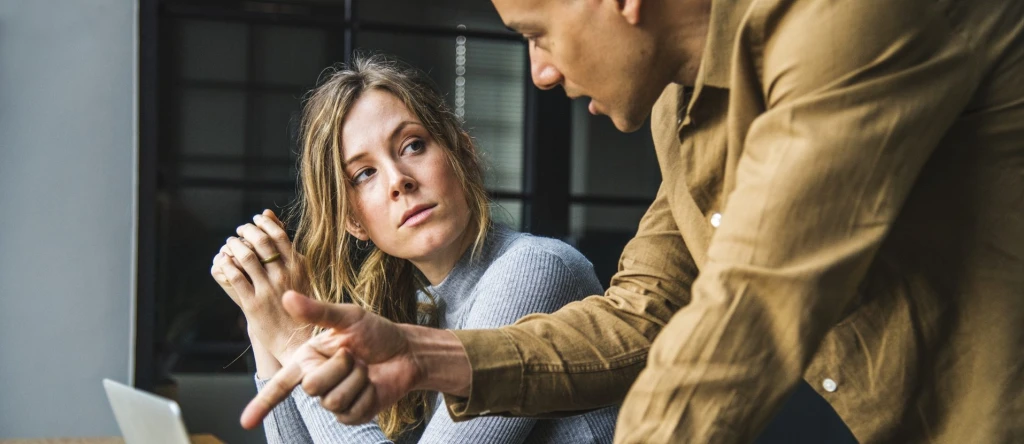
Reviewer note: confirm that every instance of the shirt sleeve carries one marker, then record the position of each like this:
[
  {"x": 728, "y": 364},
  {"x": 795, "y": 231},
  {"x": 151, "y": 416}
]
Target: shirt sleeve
[
  {"x": 858, "y": 93},
  {"x": 587, "y": 354}
]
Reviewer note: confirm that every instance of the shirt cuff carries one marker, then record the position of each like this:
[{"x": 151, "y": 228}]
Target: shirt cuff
[{"x": 497, "y": 377}]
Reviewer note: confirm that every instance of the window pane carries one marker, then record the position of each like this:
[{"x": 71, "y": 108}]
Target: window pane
[
  {"x": 600, "y": 232},
  {"x": 585, "y": 219},
  {"x": 475, "y": 14},
  {"x": 492, "y": 82},
  {"x": 209, "y": 50},
  {"x": 213, "y": 136},
  {"x": 508, "y": 212},
  {"x": 212, "y": 122},
  {"x": 193, "y": 310},
  {"x": 609, "y": 163},
  {"x": 289, "y": 55},
  {"x": 276, "y": 118}
]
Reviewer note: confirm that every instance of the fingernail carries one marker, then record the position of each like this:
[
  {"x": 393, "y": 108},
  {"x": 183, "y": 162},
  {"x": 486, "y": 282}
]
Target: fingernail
[{"x": 257, "y": 218}]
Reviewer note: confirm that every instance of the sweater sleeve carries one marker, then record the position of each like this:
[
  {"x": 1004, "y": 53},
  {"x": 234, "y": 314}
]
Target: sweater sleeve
[
  {"x": 301, "y": 419},
  {"x": 539, "y": 276},
  {"x": 532, "y": 278},
  {"x": 284, "y": 424}
]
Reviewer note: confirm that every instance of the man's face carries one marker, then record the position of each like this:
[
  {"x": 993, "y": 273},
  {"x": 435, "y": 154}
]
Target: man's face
[{"x": 590, "y": 49}]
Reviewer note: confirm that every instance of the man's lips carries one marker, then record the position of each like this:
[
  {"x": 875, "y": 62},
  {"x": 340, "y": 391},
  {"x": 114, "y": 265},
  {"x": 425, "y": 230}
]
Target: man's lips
[
  {"x": 592, "y": 106},
  {"x": 415, "y": 211}
]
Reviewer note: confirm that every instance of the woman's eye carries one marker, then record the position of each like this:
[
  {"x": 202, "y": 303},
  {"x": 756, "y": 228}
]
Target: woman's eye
[
  {"x": 414, "y": 147},
  {"x": 363, "y": 175}
]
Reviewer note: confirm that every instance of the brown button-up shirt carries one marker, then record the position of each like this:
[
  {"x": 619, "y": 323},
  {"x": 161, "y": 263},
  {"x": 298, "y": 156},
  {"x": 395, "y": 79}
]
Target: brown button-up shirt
[{"x": 843, "y": 201}]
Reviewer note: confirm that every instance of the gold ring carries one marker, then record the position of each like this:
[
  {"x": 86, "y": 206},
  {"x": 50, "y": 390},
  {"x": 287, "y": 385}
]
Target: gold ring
[{"x": 270, "y": 259}]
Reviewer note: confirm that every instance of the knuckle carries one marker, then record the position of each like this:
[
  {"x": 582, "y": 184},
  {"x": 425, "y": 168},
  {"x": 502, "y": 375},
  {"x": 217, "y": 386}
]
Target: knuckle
[
  {"x": 357, "y": 413},
  {"x": 331, "y": 403},
  {"x": 280, "y": 236},
  {"x": 359, "y": 372},
  {"x": 343, "y": 418},
  {"x": 346, "y": 363},
  {"x": 246, "y": 255},
  {"x": 309, "y": 388},
  {"x": 348, "y": 418},
  {"x": 312, "y": 386},
  {"x": 236, "y": 278},
  {"x": 262, "y": 240}
]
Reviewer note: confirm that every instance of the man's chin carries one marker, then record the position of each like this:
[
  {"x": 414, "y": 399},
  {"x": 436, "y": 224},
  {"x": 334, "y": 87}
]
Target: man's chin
[{"x": 627, "y": 124}]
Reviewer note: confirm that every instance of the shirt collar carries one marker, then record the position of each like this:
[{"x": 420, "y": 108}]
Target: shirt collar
[{"x": 716, "y": 62}]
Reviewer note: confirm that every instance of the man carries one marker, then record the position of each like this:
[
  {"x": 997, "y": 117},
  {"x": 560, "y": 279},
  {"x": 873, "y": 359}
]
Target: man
[{"x": 842, "y": 200}]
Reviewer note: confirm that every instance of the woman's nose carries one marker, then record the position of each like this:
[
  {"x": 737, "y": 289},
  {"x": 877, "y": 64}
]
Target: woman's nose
[{"x": 402, "y": 185}]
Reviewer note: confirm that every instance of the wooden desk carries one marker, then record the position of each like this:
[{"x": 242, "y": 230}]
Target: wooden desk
[{"x": 196, "y": 439}]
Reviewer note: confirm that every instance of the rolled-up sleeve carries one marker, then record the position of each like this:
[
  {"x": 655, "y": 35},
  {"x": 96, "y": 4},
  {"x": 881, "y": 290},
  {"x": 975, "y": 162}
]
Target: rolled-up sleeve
[
  {"x": 857, "y": 95},
  {"x": 587, "y": 354}
]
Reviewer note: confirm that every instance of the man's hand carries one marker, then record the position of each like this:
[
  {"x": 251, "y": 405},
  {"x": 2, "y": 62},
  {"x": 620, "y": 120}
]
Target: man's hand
[{"x": 394, "y": 359}]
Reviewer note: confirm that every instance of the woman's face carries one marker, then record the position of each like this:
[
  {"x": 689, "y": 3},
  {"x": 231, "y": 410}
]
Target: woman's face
[{"x": 405, "y": 196}]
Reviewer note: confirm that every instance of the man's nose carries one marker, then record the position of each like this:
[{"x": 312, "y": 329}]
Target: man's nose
[{"x": 544, "y": 74}]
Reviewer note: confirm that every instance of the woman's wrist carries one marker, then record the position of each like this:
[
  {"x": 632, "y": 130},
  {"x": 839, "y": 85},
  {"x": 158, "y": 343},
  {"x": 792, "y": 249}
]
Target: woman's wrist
[
  {"x": 287, "y": 346},
  {"x": 266, "y": 364}
]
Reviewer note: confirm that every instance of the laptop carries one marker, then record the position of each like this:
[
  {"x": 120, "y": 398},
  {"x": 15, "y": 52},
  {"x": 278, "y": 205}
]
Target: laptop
[{"x": 145, "y": 418}]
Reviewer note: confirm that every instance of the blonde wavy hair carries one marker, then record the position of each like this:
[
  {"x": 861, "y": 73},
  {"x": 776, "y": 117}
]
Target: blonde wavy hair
[{"x": 337, "y": 270}]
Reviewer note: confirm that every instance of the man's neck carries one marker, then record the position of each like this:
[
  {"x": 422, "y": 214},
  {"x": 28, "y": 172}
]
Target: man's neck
[{"x": 686, "y": 28}]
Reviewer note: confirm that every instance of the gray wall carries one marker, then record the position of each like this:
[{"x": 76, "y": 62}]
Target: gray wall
[{"x": 67, "y": 168}]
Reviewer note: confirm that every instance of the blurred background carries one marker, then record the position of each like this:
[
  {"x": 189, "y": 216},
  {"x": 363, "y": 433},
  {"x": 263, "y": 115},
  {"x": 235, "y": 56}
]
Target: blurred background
[{"x": 136, "y": 135}]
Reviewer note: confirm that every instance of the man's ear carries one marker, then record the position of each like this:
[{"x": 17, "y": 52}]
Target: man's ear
[
  {"x": 630, "y": 10},
  {"x": 356, "y": 229}
]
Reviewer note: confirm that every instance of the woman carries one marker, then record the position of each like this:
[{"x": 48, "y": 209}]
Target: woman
[{"x": 384, "y": 158}]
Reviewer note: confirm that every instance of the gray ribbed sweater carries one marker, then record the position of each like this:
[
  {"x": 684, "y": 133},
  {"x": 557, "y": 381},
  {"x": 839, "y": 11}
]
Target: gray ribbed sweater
[{"x": 516, "y": 274}]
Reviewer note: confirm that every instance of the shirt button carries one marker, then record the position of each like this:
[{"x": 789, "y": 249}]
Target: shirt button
[
  {"x": 716, "y": 220},
  {"x": 829, "y": 385}
]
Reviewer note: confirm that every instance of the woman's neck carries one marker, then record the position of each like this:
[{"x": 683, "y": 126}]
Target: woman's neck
[{"x": 439, "y": 265}]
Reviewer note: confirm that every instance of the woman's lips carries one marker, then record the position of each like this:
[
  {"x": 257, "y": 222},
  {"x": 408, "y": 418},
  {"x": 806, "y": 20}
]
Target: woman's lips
[{"x": 418, "y": 217}]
